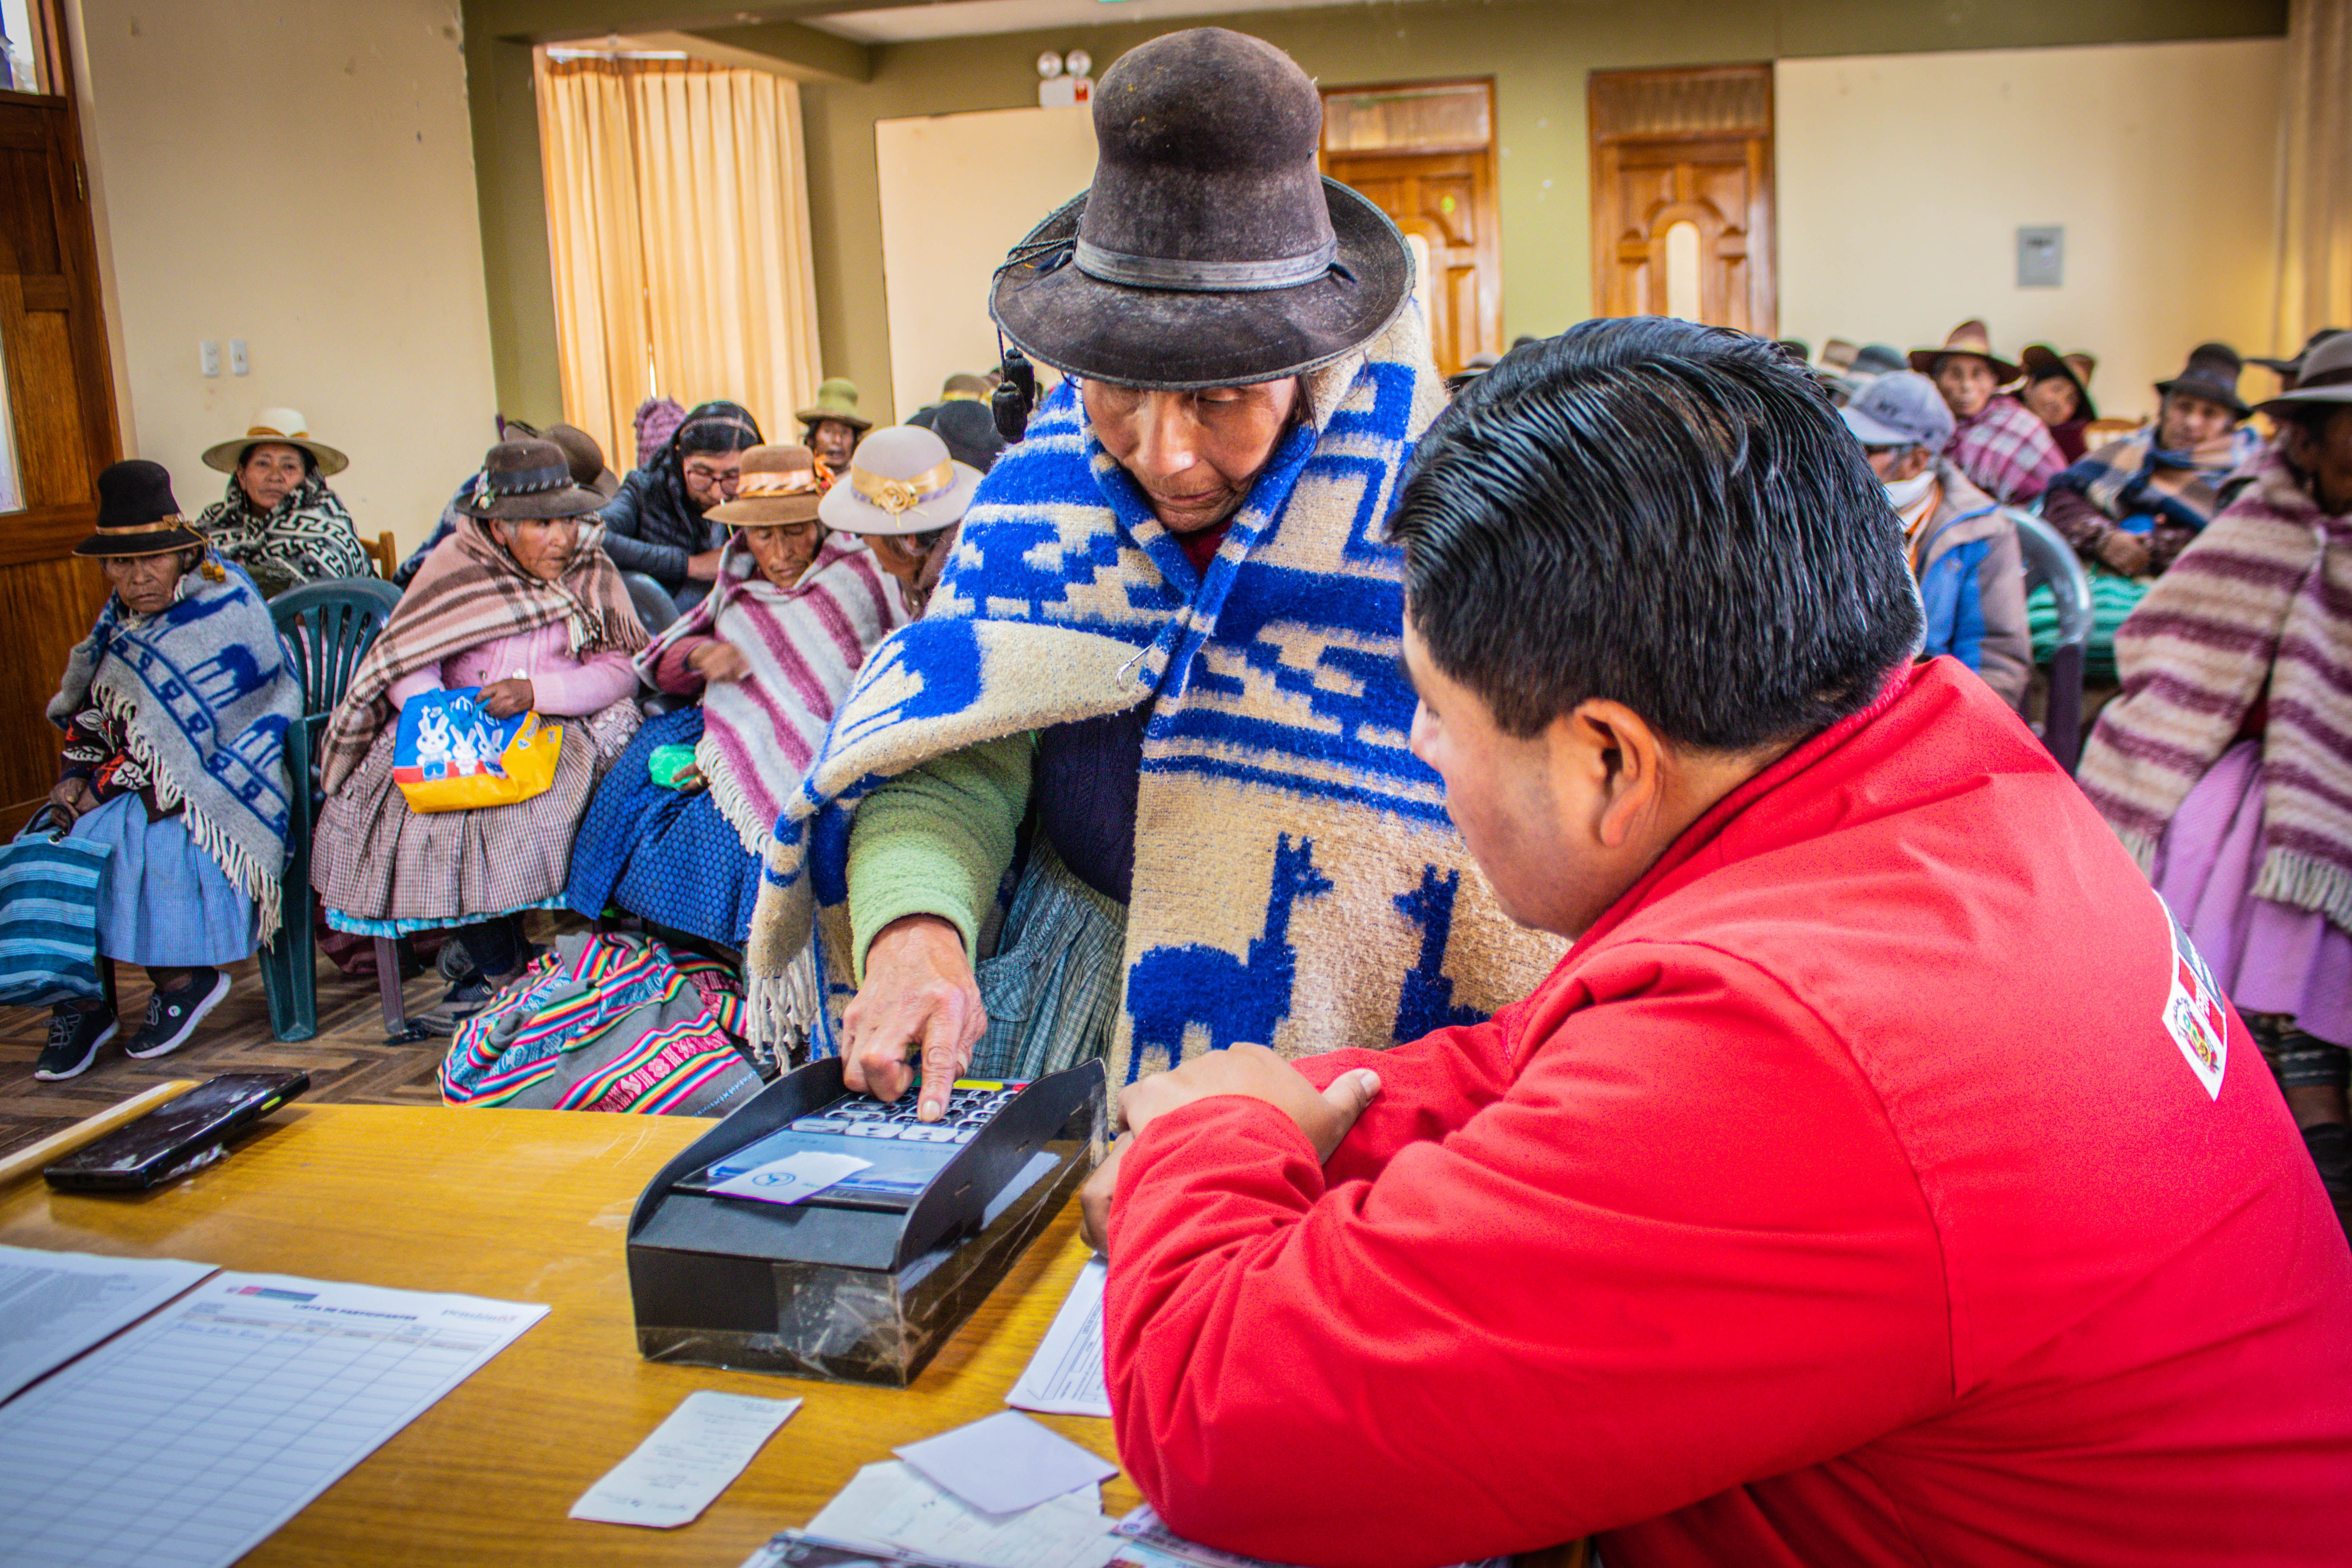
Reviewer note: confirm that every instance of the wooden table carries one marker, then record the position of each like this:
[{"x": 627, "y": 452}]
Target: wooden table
[{"x": 532, "y": 1205}]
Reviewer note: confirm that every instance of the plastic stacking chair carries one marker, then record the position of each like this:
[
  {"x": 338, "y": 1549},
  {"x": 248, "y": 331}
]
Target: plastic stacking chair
[
  {"x": 656, "y": 609},
  {"x": 326, "y": 627},
  {"x": 2049, "y": 559}
]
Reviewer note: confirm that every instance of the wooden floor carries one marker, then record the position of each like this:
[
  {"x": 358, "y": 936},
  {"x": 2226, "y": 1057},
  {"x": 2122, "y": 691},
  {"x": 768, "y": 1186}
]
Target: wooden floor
[{"x": 348, "y": 1061}]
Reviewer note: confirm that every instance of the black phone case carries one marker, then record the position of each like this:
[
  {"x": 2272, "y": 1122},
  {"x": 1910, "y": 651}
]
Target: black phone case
[{"x": 175, "y": 1138}]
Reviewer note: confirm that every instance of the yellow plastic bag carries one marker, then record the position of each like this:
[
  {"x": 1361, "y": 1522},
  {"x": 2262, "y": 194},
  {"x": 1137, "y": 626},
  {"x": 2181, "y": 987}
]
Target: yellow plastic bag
[{"x": 450, "y": 755}]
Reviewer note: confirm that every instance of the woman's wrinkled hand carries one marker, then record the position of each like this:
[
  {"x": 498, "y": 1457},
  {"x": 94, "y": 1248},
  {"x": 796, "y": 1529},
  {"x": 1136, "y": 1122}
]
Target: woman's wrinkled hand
[
  {"x": 718, "y": 661},
  {"x": 919, "y": 1000},
  {"x": 2127, "y": 553},
  {"x": 703, "y": 565},
  {"x": 504, "y": 698},
  {"x": 74, "y": 796}
]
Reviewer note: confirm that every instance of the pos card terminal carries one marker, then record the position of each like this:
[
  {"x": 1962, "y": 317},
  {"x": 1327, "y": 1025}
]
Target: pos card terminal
[{"x": 866, "y": 1278}]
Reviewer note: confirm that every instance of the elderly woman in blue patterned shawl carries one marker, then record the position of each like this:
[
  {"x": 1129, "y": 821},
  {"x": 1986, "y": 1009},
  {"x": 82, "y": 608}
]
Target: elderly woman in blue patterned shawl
[
  {"x": 279, "y": 521},
  {"x": 174, "y": 710},
  {"x": 1168, "y": 636}
]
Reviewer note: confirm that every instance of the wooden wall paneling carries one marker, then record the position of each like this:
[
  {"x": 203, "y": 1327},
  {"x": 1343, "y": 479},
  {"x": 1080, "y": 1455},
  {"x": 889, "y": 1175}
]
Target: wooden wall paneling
[{"x": 45, "y": 607}]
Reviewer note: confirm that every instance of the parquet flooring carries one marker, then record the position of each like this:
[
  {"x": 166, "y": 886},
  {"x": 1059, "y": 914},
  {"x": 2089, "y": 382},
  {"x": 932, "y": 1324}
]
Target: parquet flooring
[{"x": 349, "y": 1060}]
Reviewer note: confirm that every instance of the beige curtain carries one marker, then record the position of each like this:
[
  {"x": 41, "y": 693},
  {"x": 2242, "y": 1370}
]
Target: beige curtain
[
  {"x": 678, "y": 233},
  {"x": 2315, "y": 234}
]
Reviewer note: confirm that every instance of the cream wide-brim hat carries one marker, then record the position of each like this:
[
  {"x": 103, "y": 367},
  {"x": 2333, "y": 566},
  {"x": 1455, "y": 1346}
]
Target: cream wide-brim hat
[
  {"x": 275, "y": 427},
  {"x": 902, "y": 480}
]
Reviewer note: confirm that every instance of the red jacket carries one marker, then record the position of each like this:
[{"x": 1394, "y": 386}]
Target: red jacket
[{"x": 1844, "y": 1196}]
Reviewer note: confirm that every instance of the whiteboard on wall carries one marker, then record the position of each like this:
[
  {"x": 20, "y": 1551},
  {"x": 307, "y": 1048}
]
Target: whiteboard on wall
[{"x": 958, "y": 192}]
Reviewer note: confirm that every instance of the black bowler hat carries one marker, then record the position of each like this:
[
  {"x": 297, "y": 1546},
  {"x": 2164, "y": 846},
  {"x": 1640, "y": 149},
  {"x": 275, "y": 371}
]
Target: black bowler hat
[
  {"x": 1209, "y": 251},
  {"x": 136, "y": 514},
  {"x": 967, "y": 429},
  {"x": 2211, "y": 374},
  {"x": 525, "y": 479}
]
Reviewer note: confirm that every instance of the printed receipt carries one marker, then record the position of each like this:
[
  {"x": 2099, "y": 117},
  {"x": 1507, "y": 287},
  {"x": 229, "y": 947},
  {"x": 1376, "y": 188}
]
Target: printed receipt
[
  {"x": 1066, "y": 1376},
  {"x": 686, "y": 1463}
]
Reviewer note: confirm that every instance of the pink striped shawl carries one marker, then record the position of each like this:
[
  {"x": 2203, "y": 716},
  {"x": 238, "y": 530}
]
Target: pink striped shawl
[
  {"x": 2264, "y": 595},
  {"x": 804, "y": 645}
]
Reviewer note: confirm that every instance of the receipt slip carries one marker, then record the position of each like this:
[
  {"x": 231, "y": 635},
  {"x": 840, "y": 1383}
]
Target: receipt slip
[
  {"x": 792, "y": 1178},
  {"x": 686, "y": 1463}
]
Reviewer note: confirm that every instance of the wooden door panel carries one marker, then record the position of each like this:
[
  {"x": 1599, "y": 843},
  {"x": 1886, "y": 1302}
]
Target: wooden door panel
[
  {"x": 1447, "y": 199},
  {"x": 61, "y": 407},
  {"x": 1675, "y": 147}
]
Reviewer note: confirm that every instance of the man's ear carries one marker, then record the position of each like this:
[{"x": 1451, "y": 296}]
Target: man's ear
[{"x": 1623, "y": 760}]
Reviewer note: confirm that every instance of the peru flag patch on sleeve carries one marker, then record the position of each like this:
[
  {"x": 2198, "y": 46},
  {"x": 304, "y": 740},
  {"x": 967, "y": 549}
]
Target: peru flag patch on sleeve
[{"x": 2194, "y": 1013}]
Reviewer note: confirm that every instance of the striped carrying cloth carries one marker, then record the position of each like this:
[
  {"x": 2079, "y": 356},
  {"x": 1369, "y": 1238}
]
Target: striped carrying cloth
[
  {"x": 803, "y": 644},
  {"x": 2263, "y": 596},
  {"x": 1297, "y": 882},
  {"x": 51, "y": 888},
  {"x": 608, "y": 1021}
]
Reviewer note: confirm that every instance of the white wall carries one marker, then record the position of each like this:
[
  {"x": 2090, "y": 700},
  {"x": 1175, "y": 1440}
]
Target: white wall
[
  {"x": 300, "y": 176},
  {"x": 957, "y": 191},
  {"x": 1903, "y": 178}
]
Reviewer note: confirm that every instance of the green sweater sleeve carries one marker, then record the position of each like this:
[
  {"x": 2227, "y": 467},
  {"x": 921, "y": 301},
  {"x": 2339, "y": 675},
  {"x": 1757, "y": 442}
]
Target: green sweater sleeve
[{"x": 937, "y": 840}]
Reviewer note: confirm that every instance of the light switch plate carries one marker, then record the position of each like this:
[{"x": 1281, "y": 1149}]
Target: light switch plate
[
  {"x": 237, "y": 363},
  {"x": 208, "y": 357},
  {"x": 2042, "y": 256}
]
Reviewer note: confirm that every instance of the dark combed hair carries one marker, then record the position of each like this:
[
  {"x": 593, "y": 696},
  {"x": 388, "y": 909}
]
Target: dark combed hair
[{"x": 1664, "y": 515}]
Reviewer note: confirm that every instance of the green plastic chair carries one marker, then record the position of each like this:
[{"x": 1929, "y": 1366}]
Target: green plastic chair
[{"x": 327, "y": 628}]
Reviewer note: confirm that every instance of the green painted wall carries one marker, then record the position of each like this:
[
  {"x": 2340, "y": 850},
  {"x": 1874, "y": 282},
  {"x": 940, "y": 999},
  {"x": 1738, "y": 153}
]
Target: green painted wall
[{"x": 1537, "y": 51}]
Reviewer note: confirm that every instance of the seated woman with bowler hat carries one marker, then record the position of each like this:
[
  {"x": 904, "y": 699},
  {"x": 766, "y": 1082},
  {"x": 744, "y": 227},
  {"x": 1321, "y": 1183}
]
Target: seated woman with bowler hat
[
  {"x": 279, "y": 521},
  {"x": 1167, "y": 638},
  {"x": 765, "y": 656},
  {"x": 659, "y": 520},
  {"x": 174, "y": 710},
  {"x": 2003, "y": 448},
  {"x": 2132, "y": 507},
  {"x": 518, "y": 603},
  {"x": 911, "y": 531},
  {"x": 2057, "y": 391}
]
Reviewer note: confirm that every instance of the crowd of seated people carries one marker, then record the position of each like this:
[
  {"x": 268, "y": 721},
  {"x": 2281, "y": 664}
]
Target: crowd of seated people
[{"x": 1602, "y": 942}]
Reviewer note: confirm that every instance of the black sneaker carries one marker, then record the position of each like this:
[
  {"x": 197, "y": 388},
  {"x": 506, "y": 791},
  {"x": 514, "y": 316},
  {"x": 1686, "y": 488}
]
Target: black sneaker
[
  {"x": 74, "y": 1039},
  {"x": 172, "y": 1015}
]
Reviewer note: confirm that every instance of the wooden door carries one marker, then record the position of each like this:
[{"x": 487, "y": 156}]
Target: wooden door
[
  {"x": 61, "y": 411},
  {"x": 1682, "y": 195},
  {"x": 1423, "y": 153}
]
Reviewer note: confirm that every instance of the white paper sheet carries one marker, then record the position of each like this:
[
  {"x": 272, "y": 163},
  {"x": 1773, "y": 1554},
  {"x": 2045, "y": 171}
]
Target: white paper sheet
[
  {"x": 55, "y": 1305},
  {"x": 1066, "y": 1376},
  {"x": 1004, "y": 1463},
  {"x": 890, "y": 1504},
  {"x": 792, "y": 1178},
  {"x": 686, "y": 1461},
  {"x": 189, "y": 1439}
]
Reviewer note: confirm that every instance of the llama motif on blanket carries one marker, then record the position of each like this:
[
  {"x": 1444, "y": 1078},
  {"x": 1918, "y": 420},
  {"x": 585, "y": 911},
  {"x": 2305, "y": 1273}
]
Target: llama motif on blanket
[{"x": 1276, "y": 757}]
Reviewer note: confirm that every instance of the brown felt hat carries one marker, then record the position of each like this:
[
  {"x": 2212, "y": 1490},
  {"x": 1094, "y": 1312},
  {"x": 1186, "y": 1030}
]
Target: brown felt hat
[
  {"x": 587, "y": 459},
  {"x": 2211, "y": 374},
  {"x": 1970, "y": 337},
  {"x": 526, "y": 480},
  {"x": 1210, "y": 250},
  {"x": 779, "y": 486},
  {"x": 2326, "y": 378},
  {"x": 2043, "y": 360},
  {"x": 2295, "y": 366},
  {"x": 136, "y": 514}
]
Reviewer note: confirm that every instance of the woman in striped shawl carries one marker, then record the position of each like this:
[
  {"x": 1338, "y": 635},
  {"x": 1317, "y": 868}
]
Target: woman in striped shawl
[
  {"x": 2226, "y": 765},
  {"x": 516, "y": 604},
  {"x": 766, "y": 654}
]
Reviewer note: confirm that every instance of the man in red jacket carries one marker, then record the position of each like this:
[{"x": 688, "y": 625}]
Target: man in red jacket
[{"x": 1879, "y": 1179}]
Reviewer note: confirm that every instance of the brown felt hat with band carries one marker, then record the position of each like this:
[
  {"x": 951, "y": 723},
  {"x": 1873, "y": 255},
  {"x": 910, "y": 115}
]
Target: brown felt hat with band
[
  {"x": 901, "y": 481},
  {"x": 1210, "y": 250},
  {"x": 528, "y": 480},
  {"x": 136, "y": 514},
  {"x": 2326, "y": 378},
  {"x": 1970, "y": 337},
  {"x": 2211, "y": 374},
  {"x": 779, "y": 487}
]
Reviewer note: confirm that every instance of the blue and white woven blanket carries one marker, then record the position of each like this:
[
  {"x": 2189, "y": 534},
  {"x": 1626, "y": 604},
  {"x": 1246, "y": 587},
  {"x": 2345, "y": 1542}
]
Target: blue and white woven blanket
[
  {"x": 1298, "y": 883},
  {"x": 204, "y": 694}
]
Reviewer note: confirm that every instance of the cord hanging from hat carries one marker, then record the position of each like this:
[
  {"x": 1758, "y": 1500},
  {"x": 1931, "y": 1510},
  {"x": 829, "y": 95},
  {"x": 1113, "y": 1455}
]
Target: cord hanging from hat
[{"x": 1016, "y": 396}]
